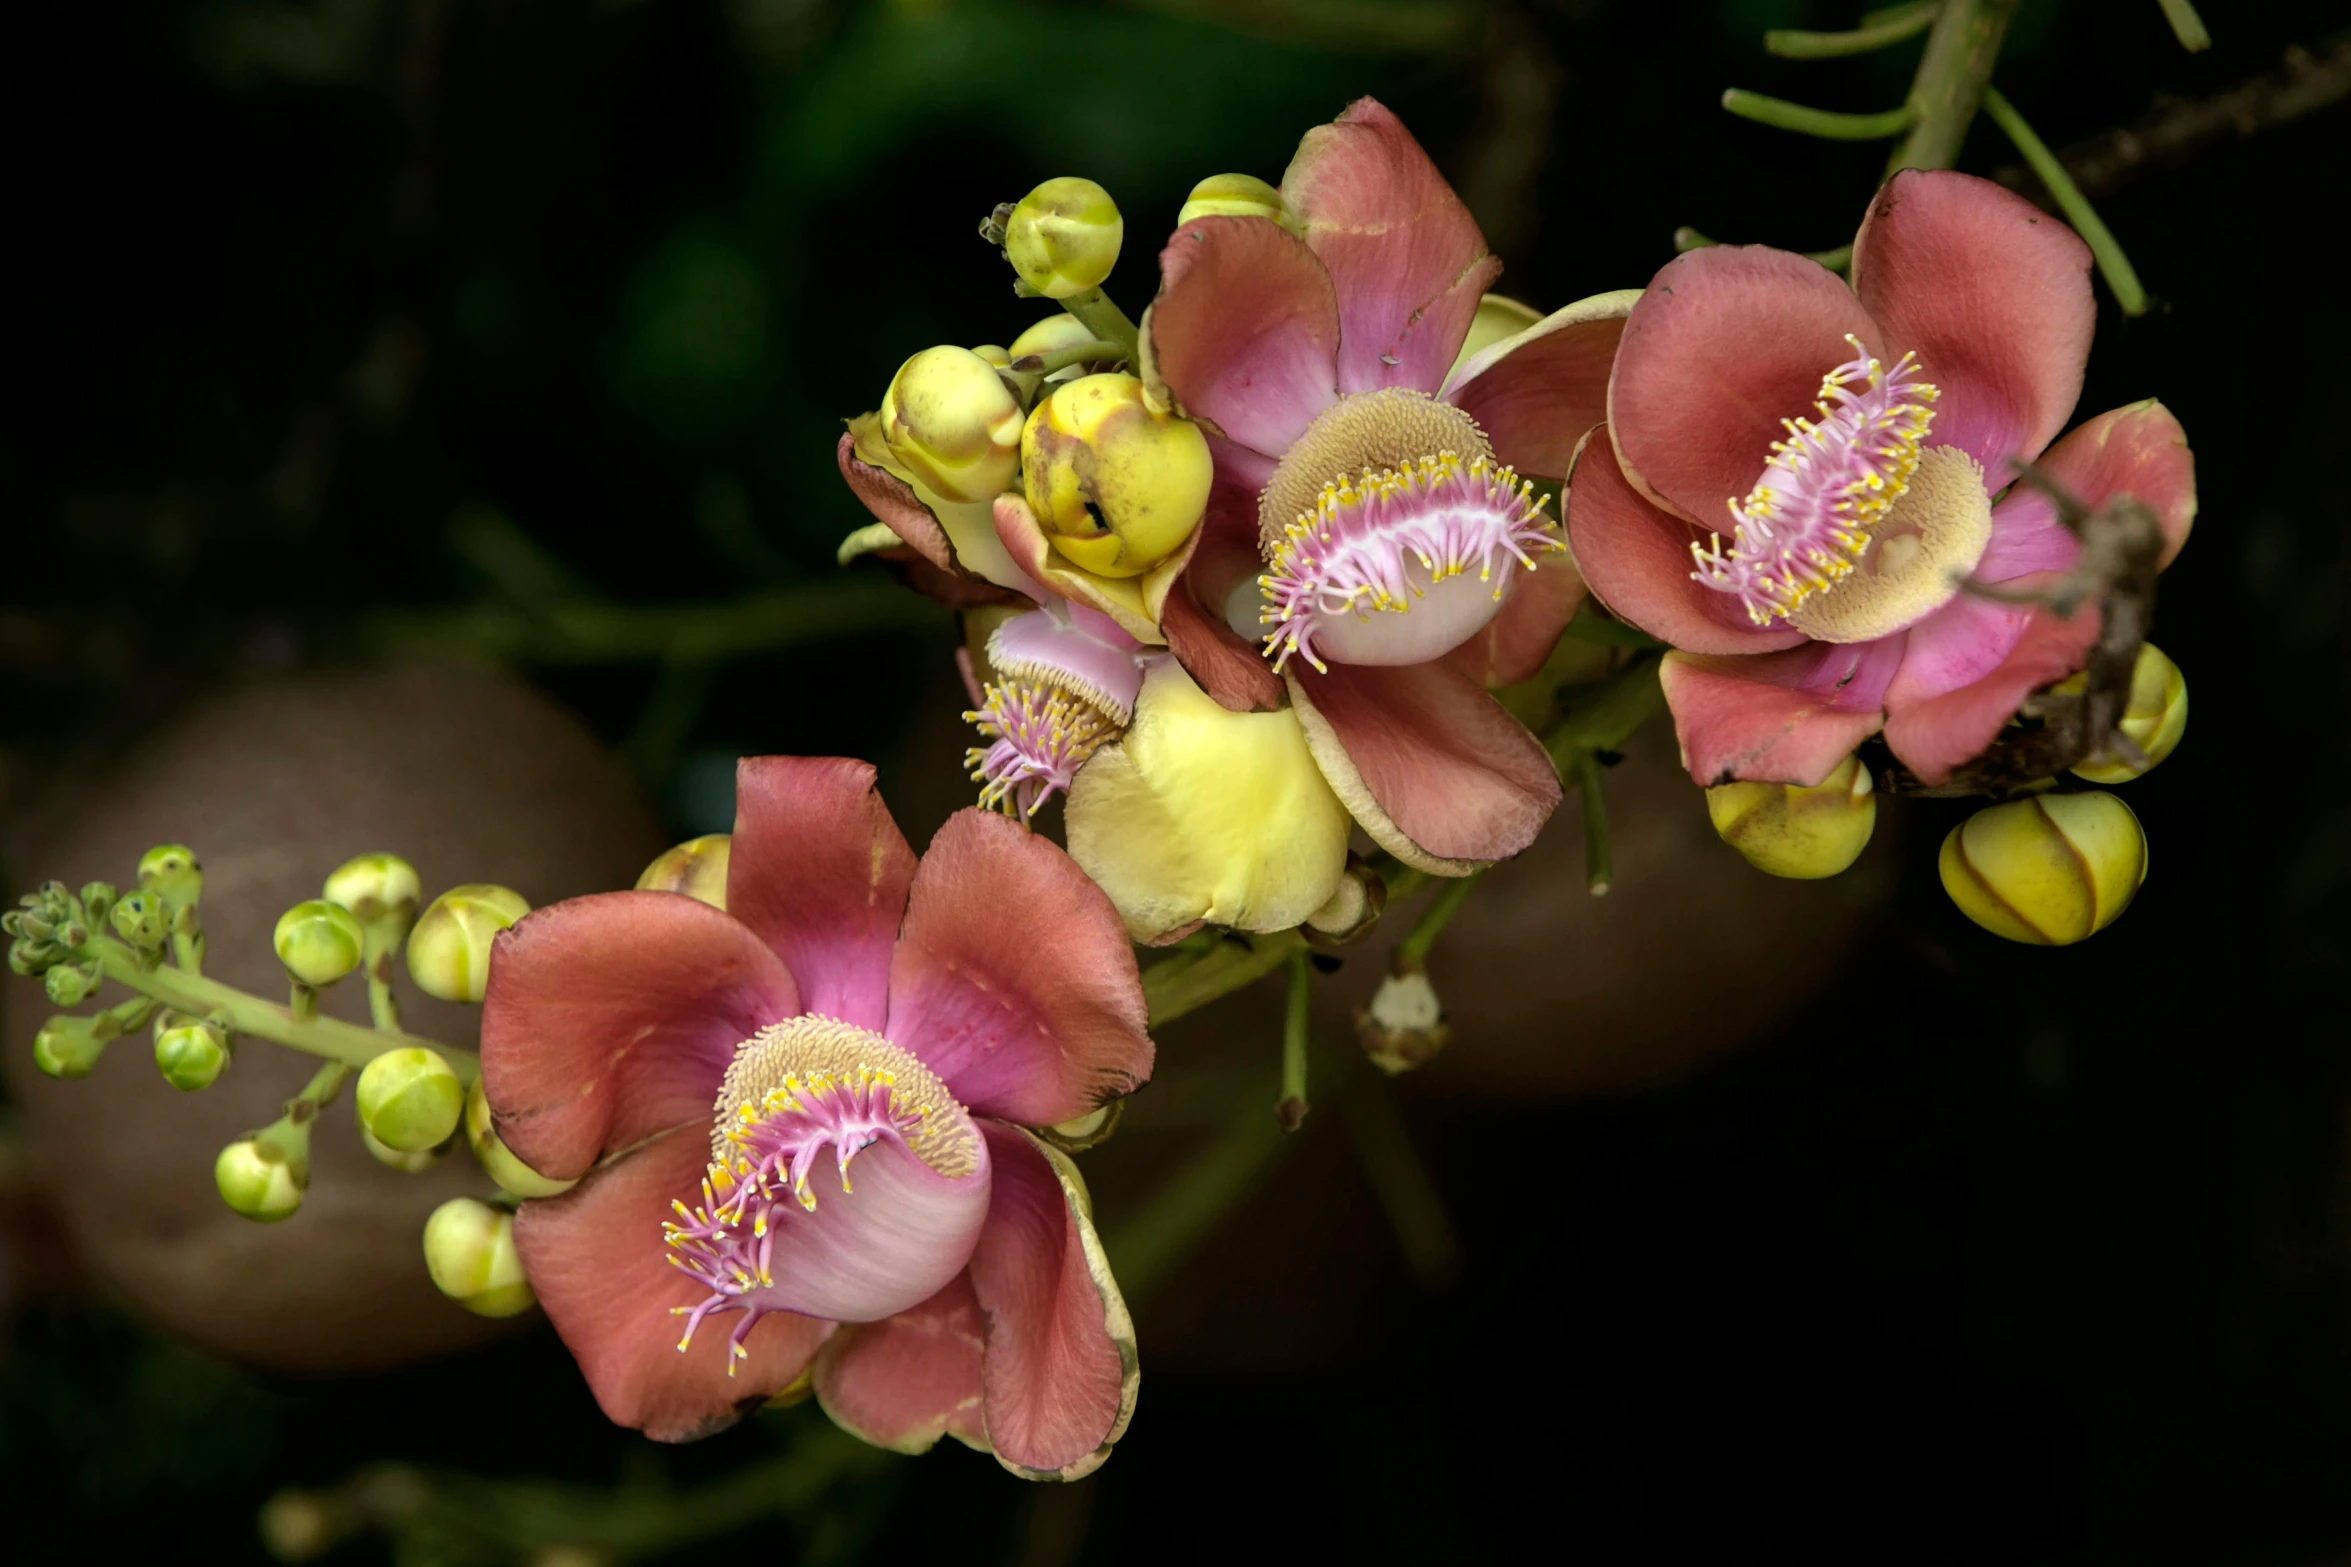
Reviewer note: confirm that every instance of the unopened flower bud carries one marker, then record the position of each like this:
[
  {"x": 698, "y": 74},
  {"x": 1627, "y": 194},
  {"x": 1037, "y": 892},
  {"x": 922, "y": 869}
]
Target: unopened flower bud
[
  {"x": 1236, "y": 196},
  {"x": 70, "y": 984},
  {"x": 1403, "y": 1025},
  {"x": 190, "y": 1052},
  {"x": 66, "y": 1047},
  {"x": 2154, "y": 720},
  {"x": 469, "y": 1251},
  {"x": 140, "y": 920},
  {"x": 171, "y": 870},
  {"x": 1063, "y": 237},
  {"x": 410, "y": 1099},
  {"x": 496, "y": 1159},
  {"x": 1352, "y": 911},
  {"x": 98, "y": 898},
  {"x": 1117, "y": 487},
  {"x": 319, "y": 942},
  {"x": 261, "y": 1178},
  {"x": 2051, "y": 870},
  {"x": 697, "y": 868},
  {"x": 950, "y": 420},
  {"x": 377, "y": 888},
  {"x": 449, "y": 951},
  {"x": 1788, "y": 830},
  {"x": 405, "y": 1163}
]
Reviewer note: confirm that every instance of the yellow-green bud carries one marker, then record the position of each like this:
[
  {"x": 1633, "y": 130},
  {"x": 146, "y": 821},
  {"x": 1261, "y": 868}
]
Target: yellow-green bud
[
  {"x": 261, "y": 1180},
  {"x": 951, "y": 421},
  {"x": 191, "y": 1052},
  {"x": 319, "y": 942},
  {"x": 66, "y": 1047},
  {"x": 410, "y": 1099},
  {"x": 376, "y": 887},
  {"x": 1236, "y": 196},
  {"x": 1117, "y": 487},
  {"x": 1804, "y": 834},
  {"x": 1063, "y": 237},
  {"x": 697, "y": 868},
  {"x": 497, "y": 1159},
  {"x": 98, "y": 898},
  {"x": 469, "y": 1251},
  {"x": 2154, "y": 720},
  {"x": 405, "y": 1163},
  {"x": 449, "y": 951},
  {"x": 171, "y": 869},
  {"x": 140, "y": 920},
  {"x": 70, "y": 984},
  {"x": 2051, "y": 870}
]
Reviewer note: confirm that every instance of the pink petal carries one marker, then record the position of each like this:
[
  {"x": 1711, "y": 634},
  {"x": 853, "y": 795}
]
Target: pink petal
[
  {"x": 1405, "y": 257},
  {"x": 1014, "y": 980},
  {"x": 1537, "y": 393},
  {"x": 1636, "y": 560},
  {"x": 1777, "y": 717},
  {"x": 820, "y": 871},
  {"x": 596, "y": 1259},
  {"x": 905, "y": 1382},
  {"x": 1518, "y": 640},
  {"x": 2139, "y": 450},
  {"x": 2026, "y": 537},
  {"x": 1960, "y": 643},
  {"x": 892, "y": 502},
  {"x": 612, "y": 1017},
  {"x": 1427, "y": 762},
  {"x": 1060, "y": 1370},
  {"x": 1993, "y": 295},
  {"x": 1227, "y": 666},
  {"x": 1725, "y": 343},
  {"x": 1935, "y": 732},
  {"x": 1245, "y": 329}
]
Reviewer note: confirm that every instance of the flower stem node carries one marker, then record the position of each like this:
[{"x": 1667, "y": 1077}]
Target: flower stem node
[
  {"x": 1063, "y": 237},
  {"x": 140, "y": 920},
  {"x": 697, "y": 868},
  {"x": 2051, "y": 870},
  {"x": 449, "y": 951},
  {"x": 1792, "y": 831},
  {"x": 1237, "y": 196},
  {"x": 319, "y": 942},
  {"x": 1403, "y": 1025},
  {"x": 263, "y": 1177},
  {"x": 1116, "y": 486},
  {"x": 190, "y": 1052},
  {"x": 377, "y": 889},
  {"x": 496, "y": 1159},
  {"x": 952, "y": 421},
  {"x": 2154, "y": 720},
  {"x": 410, "y": 1099},
  {"x": 469, "y": 1251},
  {"x": 67, "y": 1047}
]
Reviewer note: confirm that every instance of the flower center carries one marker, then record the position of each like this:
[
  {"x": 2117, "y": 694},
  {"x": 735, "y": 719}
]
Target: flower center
[
  {"x": 1809, "y": 519},
  {"x": 1041, "y": 736},
  {"x": 1390, "y": 503},
  {"x": 795, "y": 1091}
]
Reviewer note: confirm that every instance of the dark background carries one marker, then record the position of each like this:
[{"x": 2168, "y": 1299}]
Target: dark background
[{"x": 331, "y": 317}]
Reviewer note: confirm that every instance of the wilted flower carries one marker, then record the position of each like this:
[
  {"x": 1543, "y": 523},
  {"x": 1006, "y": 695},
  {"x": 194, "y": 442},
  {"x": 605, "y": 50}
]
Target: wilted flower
[
  {"x": 1828, "y": 604},
  {"x": 850, "y": 1017}
]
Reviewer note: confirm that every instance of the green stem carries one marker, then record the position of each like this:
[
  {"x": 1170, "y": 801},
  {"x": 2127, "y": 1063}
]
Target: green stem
[
  {"x": 1107, "y": 322},
  {"x": 1878, "y": 32},
  {"x": 332, "y": 1038},
  {"x": 2113, "y": 265},
  {"x": 1146, "y": 1247},
  {"x": 2186, "y": 25},
  {"x": 1823, "y": 123},
  {"x": 1599, "y": 864},
  {"x": 187, "y": 938},
  {"x": 1184, "y": 984},
  {"x": 1291, "y": 1108},
  {"x": 1949, "y": 86},
  {"x": 302, "y": 1002},
  {"x": 1603, "y": 716},
  {"x": 1412, "y": 953},
  {"x": 382, "y": 1006},
  {"x": 1063, "y": 358},
  {"x": 1400, "y": 1179}
]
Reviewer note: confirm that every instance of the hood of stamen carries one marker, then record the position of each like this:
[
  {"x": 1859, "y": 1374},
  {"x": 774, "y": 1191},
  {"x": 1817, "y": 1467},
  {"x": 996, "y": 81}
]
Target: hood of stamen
[
  {"x": 1077, "y": 649},
  {"x": 1040, "y": 735},
  {"x": 1366, "y": 433},
  {"x": 1926, "y": 544},
  {"x": 788, "y": 1064},
  {"x": 1828, "y": 486}
]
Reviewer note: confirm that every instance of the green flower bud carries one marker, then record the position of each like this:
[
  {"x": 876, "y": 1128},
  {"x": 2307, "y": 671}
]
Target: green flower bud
[
  {"x": 320, "y": 942},
  {"x": 98, "y": 898},
  {"x": 511, "y": 1174},
  {"x": 70, "y": 984},
  {"x": 2051, "y": 870},
  {"x": 410, "y": 1099},
  {"x": 171, "y": 870},
  {"x": 1117, "y": 487},
  {"x": 377, "y": 888},
  {"x": 1804, "y": 834},
  {"x": 1056, "y": 332},
  {"x": 32, "y": 956},
  {"x": 1236, "y": 196},
  {"x": 469, "y": 1251},
  {"x": 697, "y": 868},
  {"x": 141, "y": 920},
  {"x": 1063, "y": 237},
  {"x": 262, "y": 1178},
  {"x": 449, "y": 951},
  {"x": 191, "y": 1052},
  {"x": 951, "y": 421},
  {"x": 405, "y": 1163},
  {"x": 66, "y": 1047},
  {"x": 2154, "y": 720}
]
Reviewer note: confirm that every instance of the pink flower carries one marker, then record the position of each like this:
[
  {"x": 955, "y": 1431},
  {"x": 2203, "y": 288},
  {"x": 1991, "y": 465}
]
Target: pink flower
[
  {"x": 1371, "y": 507},
  {"x": 1833, "y": 609},
  {"x": 805, "y": 1111}
]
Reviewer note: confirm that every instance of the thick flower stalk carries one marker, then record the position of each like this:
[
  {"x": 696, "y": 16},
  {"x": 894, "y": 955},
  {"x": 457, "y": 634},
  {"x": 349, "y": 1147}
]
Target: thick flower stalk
[
  {"x": 1799, "y": 482},
  {"x": 797, "y": 1127}
]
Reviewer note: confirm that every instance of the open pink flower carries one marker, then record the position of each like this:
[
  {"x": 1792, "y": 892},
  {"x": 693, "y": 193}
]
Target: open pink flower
[
  {"x": 1372, "y": 506},
  {"x": 805, "y": 1111},
  {"x": 1860, "y": 446}
]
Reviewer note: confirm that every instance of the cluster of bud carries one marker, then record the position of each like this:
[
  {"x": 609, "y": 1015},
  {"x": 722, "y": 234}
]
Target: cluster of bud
[
  {"x": 469, "y": 1251},
  {"x": 449, "y": 950},
  {"x": 49, "y": 928},
  {"x": 2050, "y": 870},
  {"x": 1800, "y": 833}
]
